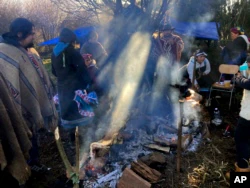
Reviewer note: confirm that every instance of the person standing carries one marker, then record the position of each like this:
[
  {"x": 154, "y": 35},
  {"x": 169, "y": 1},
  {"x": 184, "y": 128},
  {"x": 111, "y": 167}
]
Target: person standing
[
  {"x": 95, "y": 48},
  {"x": 28, "y": 83},
  {"x": 242, "y": 133},
  {"x": 69, "y": 68},
  {"x": 27, "y": 77},
  {"x": 235, "y": 52},
  {"x": 93, "y": 73},
  {"x": 167, "y": 44},
  {"x": 15, "y": 141}
]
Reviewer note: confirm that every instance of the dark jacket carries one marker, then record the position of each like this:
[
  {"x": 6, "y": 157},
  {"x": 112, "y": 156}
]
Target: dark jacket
[
  {"x": 243, "y": 82},
  {"x": 235, "y": 52},
  {"x": 95, "y": 81},
  {"x": 71, "y": 75}
]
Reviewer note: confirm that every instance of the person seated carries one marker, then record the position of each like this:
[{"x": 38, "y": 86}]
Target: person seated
[{"x": 200, "y": 76}]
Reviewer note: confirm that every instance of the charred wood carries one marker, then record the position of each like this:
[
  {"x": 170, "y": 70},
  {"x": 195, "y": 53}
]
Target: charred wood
[
  {"x": 130, "y": 179},
  {"x": 145, "y": 171}
]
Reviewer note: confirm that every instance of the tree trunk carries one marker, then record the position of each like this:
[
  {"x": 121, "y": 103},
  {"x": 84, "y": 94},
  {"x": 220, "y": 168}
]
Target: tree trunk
[{"x": 118, "y": 7}]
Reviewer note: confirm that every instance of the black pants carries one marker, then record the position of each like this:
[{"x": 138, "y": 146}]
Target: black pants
[
  {"x": 242, "y": 136},
  {"x": 34, "y": 153}
]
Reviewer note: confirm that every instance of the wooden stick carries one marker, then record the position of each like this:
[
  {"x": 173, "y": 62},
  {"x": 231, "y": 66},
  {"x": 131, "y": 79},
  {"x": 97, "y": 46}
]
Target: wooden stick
[
  {"x": 64, "y": 157},
  {"x": 77, "y": 155},
  {"x": 194, "y": 74},
  {"x": 179, "y": 138},
  {"x": 62, "y": 151}
]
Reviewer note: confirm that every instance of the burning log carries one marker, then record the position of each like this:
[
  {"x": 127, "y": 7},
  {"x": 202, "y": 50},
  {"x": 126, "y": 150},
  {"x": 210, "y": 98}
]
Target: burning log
[
  {"x": 194, "y": 96},
  {"x": 145, "y": 171},
  {"x": 102, "y": 144},
  {"x": 130, "y": 179}
]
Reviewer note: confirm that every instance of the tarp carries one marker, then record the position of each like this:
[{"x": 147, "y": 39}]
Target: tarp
[
  {"x": 81, "y": 34},
  {"x": 202, "y": 30}
]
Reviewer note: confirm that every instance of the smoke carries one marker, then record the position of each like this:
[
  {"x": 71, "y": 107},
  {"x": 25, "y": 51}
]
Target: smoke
[
  {"x": 129, "y": 69},
  {"x": 127, "y": 74}
]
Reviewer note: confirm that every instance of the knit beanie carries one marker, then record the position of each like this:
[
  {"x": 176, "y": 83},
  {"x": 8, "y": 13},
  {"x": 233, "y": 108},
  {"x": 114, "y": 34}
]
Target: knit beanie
[{"x": 237, "y": 30}]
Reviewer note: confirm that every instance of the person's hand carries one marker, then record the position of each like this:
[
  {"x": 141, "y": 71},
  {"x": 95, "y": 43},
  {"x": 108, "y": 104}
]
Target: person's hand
[
  {"x": 238, "y": 74},
  {"x": 221, "y": 47}
]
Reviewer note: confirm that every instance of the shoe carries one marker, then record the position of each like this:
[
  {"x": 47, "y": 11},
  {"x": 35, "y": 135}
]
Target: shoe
[{"x": 237, "y": 169}]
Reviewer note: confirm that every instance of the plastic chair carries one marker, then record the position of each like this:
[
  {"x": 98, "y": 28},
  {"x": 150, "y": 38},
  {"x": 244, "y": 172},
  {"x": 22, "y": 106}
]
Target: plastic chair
[{"x": 219, "y": 86}]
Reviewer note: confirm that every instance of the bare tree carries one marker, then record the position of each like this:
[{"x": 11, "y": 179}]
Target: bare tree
[
  {"x": 114, "y": 8},
  {"x": 47, "y": 17},
  {"x": 9, "y": 11}
]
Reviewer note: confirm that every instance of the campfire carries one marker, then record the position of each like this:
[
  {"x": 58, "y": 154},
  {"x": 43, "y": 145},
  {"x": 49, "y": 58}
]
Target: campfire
[
  {"x": 140, "y": 155},
  {"x": 138, "y": 152}
]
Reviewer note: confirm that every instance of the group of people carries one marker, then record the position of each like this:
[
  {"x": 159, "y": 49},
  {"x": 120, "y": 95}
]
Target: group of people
[
  {"x": 27, "y": 94},
  {"x": 235, "y": 53},
  {"x": 196, "y": 74},
  {"x": 26, "y": 102}
]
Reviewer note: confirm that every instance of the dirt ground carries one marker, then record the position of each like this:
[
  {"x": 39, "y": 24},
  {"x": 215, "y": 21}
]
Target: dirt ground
[{"x": 204, "y": 168}]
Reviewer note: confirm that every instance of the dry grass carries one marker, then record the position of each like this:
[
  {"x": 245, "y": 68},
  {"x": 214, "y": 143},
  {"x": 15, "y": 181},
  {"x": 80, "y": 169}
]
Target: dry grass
[{"x": 207, "y": 166}]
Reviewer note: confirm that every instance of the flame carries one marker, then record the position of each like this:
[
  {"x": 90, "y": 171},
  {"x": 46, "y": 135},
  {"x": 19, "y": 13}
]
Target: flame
[
  {"x": 191, "y": 91},
  {"x": 90, "y": 167},
  {"x": 196, "y": 97}
]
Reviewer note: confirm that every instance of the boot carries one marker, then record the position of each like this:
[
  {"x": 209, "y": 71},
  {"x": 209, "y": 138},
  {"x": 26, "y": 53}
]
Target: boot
[{"x": 237, "y": 169}]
